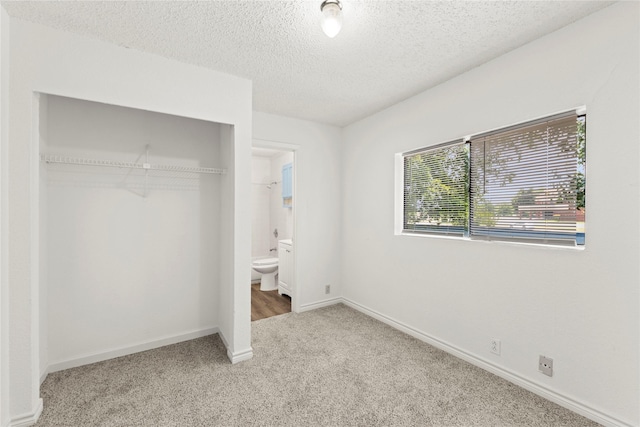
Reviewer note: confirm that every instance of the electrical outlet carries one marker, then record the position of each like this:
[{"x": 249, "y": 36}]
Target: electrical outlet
[
  {"x": 327, "y": 289},
  {"x": 545, "y": 365},
  {"x": 494, "y": 346}
]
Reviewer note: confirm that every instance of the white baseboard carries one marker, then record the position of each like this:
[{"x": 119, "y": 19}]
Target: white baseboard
[
  {"x": 553, "y": 396},
  {"x": 238, "y": 356},
  {"x": 320, "y": 304},
  {"x": 30, "y": 419},
  {"x": 125, "y": 351}
]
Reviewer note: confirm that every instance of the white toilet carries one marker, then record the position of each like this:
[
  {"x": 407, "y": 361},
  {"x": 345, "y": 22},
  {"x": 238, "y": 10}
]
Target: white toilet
[{"x": 268, "y": 267}]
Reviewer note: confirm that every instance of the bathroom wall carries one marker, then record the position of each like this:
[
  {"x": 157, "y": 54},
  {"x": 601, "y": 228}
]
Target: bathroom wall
[
  {"x": 131, "y": 259},
  {"x": 260, "y": 208},
  {"x": 281, "y": 217},
  {"x": 267, "y": 212}
]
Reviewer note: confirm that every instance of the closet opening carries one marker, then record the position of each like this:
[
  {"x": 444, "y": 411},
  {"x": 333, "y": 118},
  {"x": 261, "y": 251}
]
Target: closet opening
[
  {"x": 132, "y": 229},
  {"x": 273, "y": 244}
]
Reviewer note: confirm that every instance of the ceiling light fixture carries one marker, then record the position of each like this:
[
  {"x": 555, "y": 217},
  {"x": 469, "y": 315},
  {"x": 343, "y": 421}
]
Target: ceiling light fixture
[{"x": 331, "y": 17}]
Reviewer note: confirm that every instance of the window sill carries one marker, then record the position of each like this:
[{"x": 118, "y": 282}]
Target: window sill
[{"x": 492, "y": 242}]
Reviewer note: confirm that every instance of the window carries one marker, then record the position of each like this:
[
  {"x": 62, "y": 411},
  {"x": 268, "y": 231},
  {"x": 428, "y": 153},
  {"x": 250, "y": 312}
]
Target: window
[
  {"x": 436, "y": 189},
  {"x": 523, "y": 183}
]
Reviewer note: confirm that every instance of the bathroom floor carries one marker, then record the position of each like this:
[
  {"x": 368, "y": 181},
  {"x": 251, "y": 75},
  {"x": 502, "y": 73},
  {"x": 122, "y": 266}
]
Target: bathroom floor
[{"x": 268, "y": 303}]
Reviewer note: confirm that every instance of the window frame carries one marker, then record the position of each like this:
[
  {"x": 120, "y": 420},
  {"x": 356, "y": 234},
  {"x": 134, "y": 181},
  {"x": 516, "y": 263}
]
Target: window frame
[{"x": 579, "y": 240}]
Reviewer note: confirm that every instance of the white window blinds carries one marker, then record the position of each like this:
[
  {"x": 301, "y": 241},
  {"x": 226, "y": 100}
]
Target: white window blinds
[
  {"x": 436, "y": 189},
  {"x": 523, "y": 182}
]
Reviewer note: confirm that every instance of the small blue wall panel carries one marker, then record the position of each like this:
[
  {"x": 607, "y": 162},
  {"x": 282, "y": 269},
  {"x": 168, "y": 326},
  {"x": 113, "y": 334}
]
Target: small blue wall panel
[{"x": 287, "y": 185}]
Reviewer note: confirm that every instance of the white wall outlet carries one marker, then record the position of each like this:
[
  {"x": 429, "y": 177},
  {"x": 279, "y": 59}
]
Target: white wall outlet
[
  {"x": 494, "y": 346},
  {"x": 327, "y": 289},
  {"x": 545, "y": 365}
]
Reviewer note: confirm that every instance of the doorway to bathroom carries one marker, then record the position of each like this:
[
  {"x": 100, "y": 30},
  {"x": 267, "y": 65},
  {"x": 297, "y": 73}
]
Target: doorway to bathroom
[{"x": 272, "y": 231}]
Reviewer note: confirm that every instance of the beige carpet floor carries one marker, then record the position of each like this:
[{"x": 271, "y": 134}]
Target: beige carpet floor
[{"x": 328, "y": 367}]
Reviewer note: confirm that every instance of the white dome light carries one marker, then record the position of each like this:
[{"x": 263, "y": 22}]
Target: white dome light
[{"x": 331, "y": 17}]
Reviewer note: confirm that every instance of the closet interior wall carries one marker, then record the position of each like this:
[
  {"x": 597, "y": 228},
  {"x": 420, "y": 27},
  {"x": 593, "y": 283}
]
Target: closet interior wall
[{"x": 129, "y": 257}]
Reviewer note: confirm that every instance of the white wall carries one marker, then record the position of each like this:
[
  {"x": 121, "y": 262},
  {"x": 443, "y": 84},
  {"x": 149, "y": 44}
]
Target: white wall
[
  {"x": 125, "y": 268},
  {"x": 318, "y": 181},
  {"x": 43, "y": 288},
  {"x": 235, "y": 239},
  {"x": 578, "y": 307},
  {"x": 60, "y": 63},
  {"x": 4, "y": 220}
]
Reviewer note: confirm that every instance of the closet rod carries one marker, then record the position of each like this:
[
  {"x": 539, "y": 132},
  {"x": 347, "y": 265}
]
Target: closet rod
[{"x": 53, "y": 158}]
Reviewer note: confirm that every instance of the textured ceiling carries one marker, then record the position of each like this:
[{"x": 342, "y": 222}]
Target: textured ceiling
[{"x": 386, "y": 51}]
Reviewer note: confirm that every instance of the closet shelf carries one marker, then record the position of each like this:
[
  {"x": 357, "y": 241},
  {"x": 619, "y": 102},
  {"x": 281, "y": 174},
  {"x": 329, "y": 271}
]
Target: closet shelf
[{"x": 53, "y": 158}]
